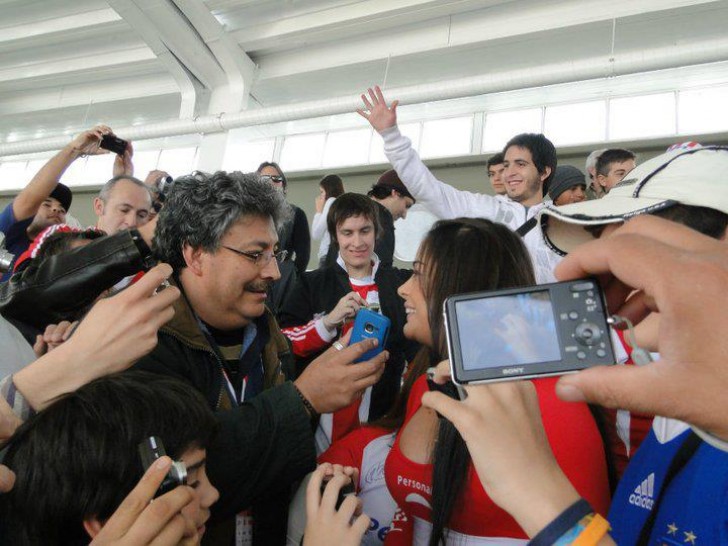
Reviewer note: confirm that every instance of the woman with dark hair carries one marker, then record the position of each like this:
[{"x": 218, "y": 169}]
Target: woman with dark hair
[
  {"x": 428, "y": 470},
  {"x": 330, "y": 187},
  {"x": 433, "y": 490},
  {"x": 293, "y": 234}
]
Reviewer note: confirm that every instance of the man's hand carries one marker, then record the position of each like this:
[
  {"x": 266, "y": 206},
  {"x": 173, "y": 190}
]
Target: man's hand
[
  {"x": 346, "y": 309},
  {"x": 501, "y": 425},
  {"x": 115, "y": 334},
  {"x": 140, "y": 522},
  {"x": 332, "y": 382},
  {"x": 153, "y": 177},
  {"x": 54, "y": 335},
  {"x": 683, "y": 275},
  {"x": 87, "y": 143},
  {"x": 121, "y": 329},
  {"x": 376, "y": 111},
  {"x": 325, "y": 525},
  {"x": 123, "y": 165}
]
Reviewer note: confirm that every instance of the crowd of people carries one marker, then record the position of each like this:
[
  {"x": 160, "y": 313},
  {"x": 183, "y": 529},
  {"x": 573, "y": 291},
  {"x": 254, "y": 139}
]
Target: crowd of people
[{"x": 185, "y": 319}]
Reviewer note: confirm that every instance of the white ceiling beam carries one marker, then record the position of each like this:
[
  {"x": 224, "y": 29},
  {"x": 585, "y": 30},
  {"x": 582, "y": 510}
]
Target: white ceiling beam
[
  {"x": 332, "y": 24},
  {"x": 508, "y": 20},
  {"x": 47, "y": 28},
  {"x": 189, "y": 85},
  {"x": 82, "y": 63},
  {"x": 238, "y": 68},
  {"x": 181, "y": 38},
  {"x": 56, "y": 98}
]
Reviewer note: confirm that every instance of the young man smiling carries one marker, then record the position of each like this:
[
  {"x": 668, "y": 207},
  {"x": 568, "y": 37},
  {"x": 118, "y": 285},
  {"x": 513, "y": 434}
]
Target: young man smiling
[
  {"x": 324, "y": 303},
  {"x": 529, "y": 163}
]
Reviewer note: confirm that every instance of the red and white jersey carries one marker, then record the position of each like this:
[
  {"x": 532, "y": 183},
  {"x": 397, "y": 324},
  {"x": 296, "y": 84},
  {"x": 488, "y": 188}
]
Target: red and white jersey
[
  {"x": 366, "y": 449},
  {"x": 313, "y": 337},
  {"x": 476, "y": 519}
]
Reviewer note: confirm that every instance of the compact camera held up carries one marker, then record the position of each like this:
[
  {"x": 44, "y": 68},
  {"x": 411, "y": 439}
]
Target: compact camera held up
[{"x": 528, "y": 332}]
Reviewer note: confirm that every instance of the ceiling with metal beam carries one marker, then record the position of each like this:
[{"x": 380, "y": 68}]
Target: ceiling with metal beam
[{"x": 66, "y": 65}]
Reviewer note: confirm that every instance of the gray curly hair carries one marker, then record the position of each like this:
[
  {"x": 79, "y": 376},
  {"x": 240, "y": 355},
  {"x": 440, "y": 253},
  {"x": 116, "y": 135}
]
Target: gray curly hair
[{"x": 201, "y": 208}]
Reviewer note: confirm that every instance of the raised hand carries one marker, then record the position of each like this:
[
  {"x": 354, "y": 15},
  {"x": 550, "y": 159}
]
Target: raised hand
[
  {"x": 123, "y": 165},
  {"x": 87, "y": 143},
  {"x": 376, "y": 111}
]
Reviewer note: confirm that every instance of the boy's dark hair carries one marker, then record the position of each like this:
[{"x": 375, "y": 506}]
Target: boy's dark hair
[
  {"x": 496, "y": 159},
  {"x": 543, "y": 153},
  {"x": 77, "y": 459},
  {"x": 613, "y": 155},
  {"x": 349, "y": 205},
  {"x": 710, "y": 222}
]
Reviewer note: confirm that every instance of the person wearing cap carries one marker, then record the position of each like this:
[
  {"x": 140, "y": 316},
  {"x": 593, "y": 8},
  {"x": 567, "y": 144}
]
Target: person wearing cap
[
  {"x": 529, "y": 163},
  {"x": 687, "y": 187},
  {"x": 394, "y": 201},
  {"x": 45, "y": 201},
  {"x": 568, "y": 186}
]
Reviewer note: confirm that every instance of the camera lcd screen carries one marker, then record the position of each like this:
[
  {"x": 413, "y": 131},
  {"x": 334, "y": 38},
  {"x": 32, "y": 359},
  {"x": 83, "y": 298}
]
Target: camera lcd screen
[{"x": 507, "y": 330}]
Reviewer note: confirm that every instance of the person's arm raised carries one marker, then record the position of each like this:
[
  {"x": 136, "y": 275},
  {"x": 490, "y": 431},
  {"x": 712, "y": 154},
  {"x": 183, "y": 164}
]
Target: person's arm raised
[
  {"x": 376, "y": 111},
  {"x": 116, "y": 332},
  {"x": 44, "y": 182}
]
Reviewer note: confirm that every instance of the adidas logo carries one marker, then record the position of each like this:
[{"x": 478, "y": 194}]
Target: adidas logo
[{"x": 643, "y": 495}]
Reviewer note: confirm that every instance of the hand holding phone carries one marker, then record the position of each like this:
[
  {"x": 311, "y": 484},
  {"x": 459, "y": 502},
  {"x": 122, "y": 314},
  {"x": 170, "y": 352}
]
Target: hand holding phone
[{"x": 369, "y": 324}]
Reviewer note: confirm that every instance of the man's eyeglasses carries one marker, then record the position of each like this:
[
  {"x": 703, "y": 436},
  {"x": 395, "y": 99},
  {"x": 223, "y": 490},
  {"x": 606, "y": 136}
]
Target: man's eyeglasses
[
  {"x": 272, "y": 178},
  {"x": 260, "y": 258}
]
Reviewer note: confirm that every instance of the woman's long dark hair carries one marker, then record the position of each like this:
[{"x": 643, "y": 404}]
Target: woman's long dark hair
[{"x": 458, "y": 256}]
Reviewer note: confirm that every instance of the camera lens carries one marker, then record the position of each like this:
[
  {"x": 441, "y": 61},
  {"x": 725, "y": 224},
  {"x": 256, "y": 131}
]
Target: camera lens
[{"x": 369, "y": 328}]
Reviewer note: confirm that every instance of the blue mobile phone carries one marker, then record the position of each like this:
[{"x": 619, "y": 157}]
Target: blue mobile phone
[{"x": 369, "y": 324}]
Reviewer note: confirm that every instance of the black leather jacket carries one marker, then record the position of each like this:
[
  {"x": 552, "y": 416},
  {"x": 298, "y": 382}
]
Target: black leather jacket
[{"x": 63, "y": 286}]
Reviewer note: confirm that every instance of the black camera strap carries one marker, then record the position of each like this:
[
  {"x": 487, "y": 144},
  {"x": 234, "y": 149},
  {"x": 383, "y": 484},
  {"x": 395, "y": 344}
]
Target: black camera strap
[
  {"x": 527, "y": 226},
  {"x": 688, "y": 448}
]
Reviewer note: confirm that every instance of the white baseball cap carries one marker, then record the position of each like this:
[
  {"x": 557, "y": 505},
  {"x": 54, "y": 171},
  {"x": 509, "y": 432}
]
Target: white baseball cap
[{"x": 697, "y": 177}]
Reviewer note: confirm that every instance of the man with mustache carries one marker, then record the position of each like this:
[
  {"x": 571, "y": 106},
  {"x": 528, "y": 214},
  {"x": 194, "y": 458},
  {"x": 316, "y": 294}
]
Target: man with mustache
[{"x": 219, "y": 233}]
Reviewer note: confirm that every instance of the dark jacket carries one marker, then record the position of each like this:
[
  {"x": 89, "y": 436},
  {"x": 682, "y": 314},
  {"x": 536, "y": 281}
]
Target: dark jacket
[
  {"x": 264, "y": 445},
  {"x": 383, "y": 248},
  {"x": 319, "y": 291},
  {"x": 295, "y": 237}
]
